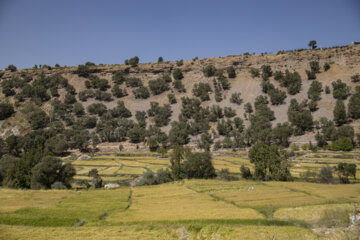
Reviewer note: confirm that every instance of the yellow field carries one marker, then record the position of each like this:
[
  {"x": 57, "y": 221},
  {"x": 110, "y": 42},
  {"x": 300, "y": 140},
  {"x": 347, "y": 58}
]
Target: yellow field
[
  {"x": 200, "y": 209},
  {"x": 125, "y": 168}
]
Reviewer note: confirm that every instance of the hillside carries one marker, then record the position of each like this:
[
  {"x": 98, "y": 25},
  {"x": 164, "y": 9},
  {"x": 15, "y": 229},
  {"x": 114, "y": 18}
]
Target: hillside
[{"x": 344, "y": 63}]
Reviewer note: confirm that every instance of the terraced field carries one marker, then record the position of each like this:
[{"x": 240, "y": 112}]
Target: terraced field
[
  {"x": 199, "y": 209},
  {"x": 123, "y": 169},
  {"x": 190, "y": 209}
]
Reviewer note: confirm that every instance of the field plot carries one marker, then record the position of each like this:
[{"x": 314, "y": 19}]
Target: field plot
[
  {"x": 203, "y": 209},
  {"x": 119, "y": 168},
  {"x": 174, "y": 201}
]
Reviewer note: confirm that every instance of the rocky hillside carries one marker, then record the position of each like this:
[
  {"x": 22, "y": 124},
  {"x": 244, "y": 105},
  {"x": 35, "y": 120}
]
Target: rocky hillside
[{"x": 344, "y": 63}]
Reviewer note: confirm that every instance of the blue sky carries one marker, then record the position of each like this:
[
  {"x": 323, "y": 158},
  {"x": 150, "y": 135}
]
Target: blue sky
[{"x": 71, "y": 32}]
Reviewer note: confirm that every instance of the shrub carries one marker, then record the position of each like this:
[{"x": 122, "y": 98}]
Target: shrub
[
  {"x": 266, "y": 86},
  {"x": 118, "y": 92},
  {"x": 231, "y": 72},
  {"x": 202, "y": 90},
  {"x": 149, "y": 178},
  {"x": 141, "y": 92},
  {"x": 177, "y": 74},
  {"x": 179, "y": 86},
  {"x": 254, "y": 72},
  {"x": 96, "y": 181},
  {"x": 292, "y": 81},
  {"x": 313, "y": 106},
  {"x": 118, "y": 77},
  {"x": 103, "y": 96},
  {"x": 11, "y": 68},
  {"x": 277, "y": 96},
  {"x": 311, "y": 75},
  {"x": 245, "y": 172},
  {"x": 69, "y": 99},
  {"x": 339, "y": 112},
  {"x": 158, "y": 86},
  {"x": 83, "y": 71},
  {"x": 326, "y": 175},
  {"x": 355, "y": 78},
  {"x": 314, "y": 66},
  {"x": 278, "y": 75},
  {"x": 224, "y": 174},
  {"x": 326, "y": 67},
  {"x": 266, "y": 72},
  {"x": 6, "y": 110},
  {"x": 97, "y": 108},
  {"x": 315, "y": 90},
  {"x": 229, "y": 112},
  {"x": 340, "y": 90},
  {"x": 179, "y": 62},
  {"x": 160, "y": 60},
  {"x": 235, "y": 98},
  {"x": 342, "y": 144},
  {"x": 172, "y": 99},
  {"x": 120, "y": 111},
  {"x": 133, "y": 82},
  {"x": 78, "y": 109},
  {"x": 224, "y": 82},
  {"x": 327, "y": 90},
  {"x": 209, "y": 71}
]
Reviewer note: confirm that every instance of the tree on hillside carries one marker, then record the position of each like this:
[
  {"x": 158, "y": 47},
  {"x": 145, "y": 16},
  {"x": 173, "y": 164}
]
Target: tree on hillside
[
  {"x": 354, "y": 104},
  {"x": 339, "y": 112},
  {"x": 6, "y": 110},
  {"x": 312, "y": 44}
]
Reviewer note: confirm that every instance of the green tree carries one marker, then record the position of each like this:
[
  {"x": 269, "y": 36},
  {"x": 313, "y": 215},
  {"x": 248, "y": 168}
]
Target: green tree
[
  {"x": 340, "y": 90},
  {"x": 6, "y": 110},
  {"x": 209, "y": 71},
  {"x": 158, "y": 86},
  {"x": 177, "y": 74},
  {"x": 50, "y": 170},
  {"x": 312, "y": 44},
  {"x": 345, "y": 170},
  {"x": 141, "y": 93},
  {"x": 83, "y": 71},
  {"x": 270, "y": 163},
  {"x": 57, "y": 145},
  {"x": 236, "y": 98},
  {"x": 315, "y": 90},
  {"x": 354, "y": 105},
  {"x": 339, "y": 112},
  {"x": 134, "y": 61},
  {"x": 326, "y": 175},
  {"x": 199, "y": 165},
  {"x": 160, "y": 60},
  {"x": 11, "y": 68},
  {"x": 38, "y": 119},
  {"x": 231, "y": 72}
]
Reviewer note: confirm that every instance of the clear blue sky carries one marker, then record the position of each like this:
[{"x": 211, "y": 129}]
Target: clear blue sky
[{"x": 71, "y": 32}]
